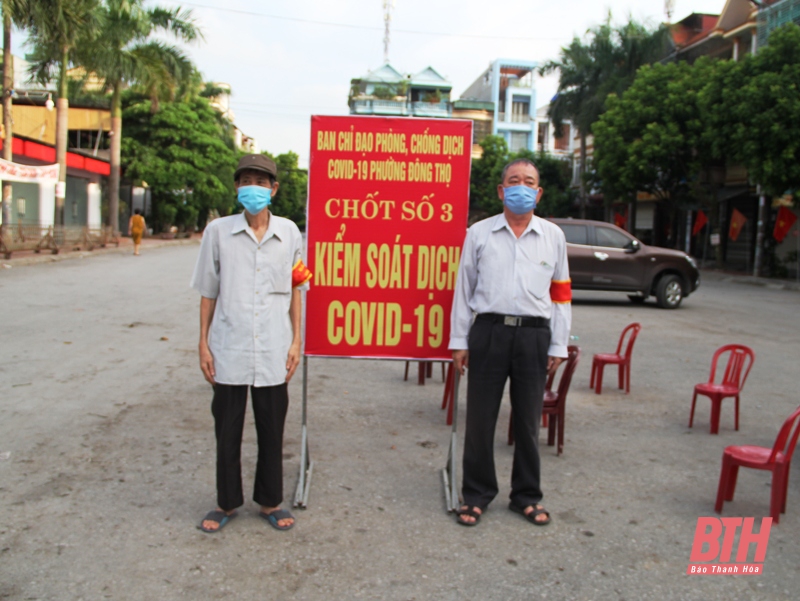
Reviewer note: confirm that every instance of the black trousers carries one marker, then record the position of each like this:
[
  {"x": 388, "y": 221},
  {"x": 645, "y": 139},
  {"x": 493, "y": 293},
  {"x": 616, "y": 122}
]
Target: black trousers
[
  {"x": 498, "y": 352},
  {"x": 269, "y": 408}
]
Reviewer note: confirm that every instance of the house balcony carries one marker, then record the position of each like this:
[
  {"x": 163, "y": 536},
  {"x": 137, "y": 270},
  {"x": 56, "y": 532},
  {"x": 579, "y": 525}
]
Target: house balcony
[
  {"x": 432, "y": 109},
  {"x": 400, "y": 108},
  {"x": 513, "y": 118}
]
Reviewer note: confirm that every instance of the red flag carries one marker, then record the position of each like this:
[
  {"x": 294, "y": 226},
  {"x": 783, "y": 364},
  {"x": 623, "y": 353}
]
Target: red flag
[
  {"x": 783, "y": 223},
  {"x": 699, "y": 223},
  {"x": 737, "y": 223},
  {"x": 620, "y": 220}
]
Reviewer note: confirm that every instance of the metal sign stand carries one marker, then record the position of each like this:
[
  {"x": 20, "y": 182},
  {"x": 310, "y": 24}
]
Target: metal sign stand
[
  {"x": 449, "y": 475},
  {"x": 306, "y": 465}
]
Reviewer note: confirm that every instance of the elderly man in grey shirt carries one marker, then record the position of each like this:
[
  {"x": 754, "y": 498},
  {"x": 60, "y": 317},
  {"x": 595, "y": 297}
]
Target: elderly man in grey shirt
[
  {"x": 510, "y": 321},
  {"x": 249, "y": 274}
]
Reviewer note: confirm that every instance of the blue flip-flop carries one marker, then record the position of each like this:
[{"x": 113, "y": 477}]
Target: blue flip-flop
[
  {"x": 274, "y": 517},
  {"x": 220, "y": 517}
]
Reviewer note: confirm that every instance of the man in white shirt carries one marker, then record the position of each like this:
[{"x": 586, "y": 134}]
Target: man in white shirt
[
  {"x": 249, "y": 274},
  {"x": 510, "y": 320}
]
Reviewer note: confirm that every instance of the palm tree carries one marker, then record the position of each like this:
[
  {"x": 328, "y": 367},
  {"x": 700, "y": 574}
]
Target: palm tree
[
  {"x": 583, "y": 69},
  {"x": 589, "y": 72},
  {"x": 15, "y": 12},
  {"x": 56, "y": 28},
  {"x": 124, "y": 53}
]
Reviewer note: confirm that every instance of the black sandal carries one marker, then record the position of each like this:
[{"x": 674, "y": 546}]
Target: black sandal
[
  {"x": 531, "y": 516},
  {"x": 470, "y": 512}
]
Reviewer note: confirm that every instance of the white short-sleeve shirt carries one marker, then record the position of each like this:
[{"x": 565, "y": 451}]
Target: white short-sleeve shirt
[{"x": 251, "y": 331}]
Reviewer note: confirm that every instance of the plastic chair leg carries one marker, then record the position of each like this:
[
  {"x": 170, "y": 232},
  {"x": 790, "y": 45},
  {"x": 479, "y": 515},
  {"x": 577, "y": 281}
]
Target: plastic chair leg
[
  {"x": 405, "y": 377},
  {"x": 421, "y": 373},
  {"x": 560, "y": 434},
  {"x": 621, "y": 376},
  {"x": 736, "y": 414},
  {"x": 785, "y": 489},
  {"x": 722, "y": 488},
  {"x": 716, "y": 403},
  {"x": 599, "y": 379},
  {"x": 733, "y": 474},
  {"x": 691, "y": 413},
  {"x": 627, "y": 378},
  {"x": 776, "y": 497},
  {"x": 448, "y": 385}
]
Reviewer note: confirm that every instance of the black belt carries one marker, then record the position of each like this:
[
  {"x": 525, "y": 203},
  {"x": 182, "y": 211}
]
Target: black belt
[{"x": 515, "y": 320}]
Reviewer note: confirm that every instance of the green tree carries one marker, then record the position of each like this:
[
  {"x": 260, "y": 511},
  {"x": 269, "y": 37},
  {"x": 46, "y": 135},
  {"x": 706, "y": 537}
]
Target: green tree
[
  {"x": 753, "y": 108},
  {"x": 56, "y": 28},
  {"x": 485, "y": 175},
  {"x": 185, "y": 152},
  {"x": 589, "y": 71},
  {"x": 124, "y": 52},
  {"x": 555, "y": 177},
  {"x": 15, "y": 12},
  {"x": 651, "y": 138},
  {"x": 290, "y": 202}
]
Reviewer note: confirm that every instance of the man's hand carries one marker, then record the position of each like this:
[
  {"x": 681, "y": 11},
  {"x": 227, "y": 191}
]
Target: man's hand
[
  {"x": 461, "y": 360},
  {"x": 553, "y": 363},
  {"x": 293, "y": 360},
  {"x": 207, "y": 363}
]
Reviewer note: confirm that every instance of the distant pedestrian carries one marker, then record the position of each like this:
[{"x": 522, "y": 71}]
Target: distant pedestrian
[
  {"x": 136, "y": 228},
  {"x": 249, "y": 273},
  {"x": 510, "y": 320}
]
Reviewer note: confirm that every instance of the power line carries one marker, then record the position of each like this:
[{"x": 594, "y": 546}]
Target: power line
[{"x": 371, "y": 28}]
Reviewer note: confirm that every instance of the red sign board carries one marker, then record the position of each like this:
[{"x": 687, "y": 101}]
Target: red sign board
[{"x": 388, "y": 202}]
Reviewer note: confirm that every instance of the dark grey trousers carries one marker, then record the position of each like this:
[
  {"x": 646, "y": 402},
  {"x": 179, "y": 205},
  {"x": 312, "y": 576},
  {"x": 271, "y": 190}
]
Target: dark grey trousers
[
  {"x": 497, "y": 353},
  {"x": 269, "y": 408}
]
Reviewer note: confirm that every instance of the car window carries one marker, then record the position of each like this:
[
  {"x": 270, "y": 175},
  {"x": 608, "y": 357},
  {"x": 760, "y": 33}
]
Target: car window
[
  {"x": 609, "y": 238},
  {"x": 575, "y": 234}
]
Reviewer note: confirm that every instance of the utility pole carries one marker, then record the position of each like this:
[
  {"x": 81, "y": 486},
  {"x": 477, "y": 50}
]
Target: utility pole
[{"x": 388, "y": 7}]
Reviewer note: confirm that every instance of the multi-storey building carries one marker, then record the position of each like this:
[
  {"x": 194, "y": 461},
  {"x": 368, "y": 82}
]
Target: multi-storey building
[
  {"x": 387, "y": 91},
  {"x": 508, "y": 85}
]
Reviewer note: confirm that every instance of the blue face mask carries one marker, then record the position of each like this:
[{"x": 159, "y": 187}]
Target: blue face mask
[
  {"x": 520, "y": 199},
  {"x": 254, "y": 199}
]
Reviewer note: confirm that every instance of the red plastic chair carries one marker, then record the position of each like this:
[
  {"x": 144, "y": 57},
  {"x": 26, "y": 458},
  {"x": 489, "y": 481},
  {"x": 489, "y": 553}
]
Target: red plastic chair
[
  {"x": 600, "y": 360},
  {"x": 555, "y": 403},
  {"x": 425, "y": 370},
  {"x": 777, "y": 460},
  {"x": 739, "y": 363}
]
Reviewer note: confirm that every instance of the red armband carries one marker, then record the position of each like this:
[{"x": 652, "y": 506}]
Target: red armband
[
  {"x": 300, "y": 274},
  {"x": 561, "y": 291}
]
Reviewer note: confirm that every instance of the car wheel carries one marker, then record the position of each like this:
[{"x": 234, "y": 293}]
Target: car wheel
[
  {"x": 637, "y": 300},
  {"x": 669, "y": 292}
]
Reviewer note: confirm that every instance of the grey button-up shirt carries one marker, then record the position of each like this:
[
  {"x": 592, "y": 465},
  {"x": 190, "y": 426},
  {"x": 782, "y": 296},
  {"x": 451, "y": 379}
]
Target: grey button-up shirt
[
  {"x": 500, "y": 273},
  {"x": 251, "y": 331}
]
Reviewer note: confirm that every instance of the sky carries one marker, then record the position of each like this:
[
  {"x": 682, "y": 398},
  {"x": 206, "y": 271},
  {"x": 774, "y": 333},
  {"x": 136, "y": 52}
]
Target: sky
[{"x": 286, "y": 61}]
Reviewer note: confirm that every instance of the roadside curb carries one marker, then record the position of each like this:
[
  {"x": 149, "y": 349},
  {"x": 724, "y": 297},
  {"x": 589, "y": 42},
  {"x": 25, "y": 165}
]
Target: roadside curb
[
  {"x": 125, "y": 247},
  {"x": 749, "y": 280}
]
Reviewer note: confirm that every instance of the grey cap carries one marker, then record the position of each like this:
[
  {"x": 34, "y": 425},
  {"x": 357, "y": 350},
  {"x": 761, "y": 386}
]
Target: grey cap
[{"x": 256, "y": 162}]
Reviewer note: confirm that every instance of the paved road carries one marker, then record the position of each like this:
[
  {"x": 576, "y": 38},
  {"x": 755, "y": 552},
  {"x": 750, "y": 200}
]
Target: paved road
[{"x": 106, "y": 458}]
